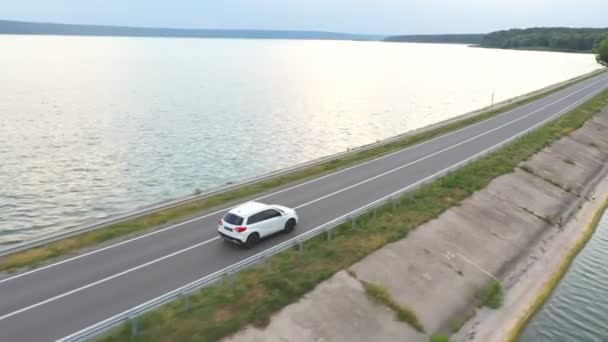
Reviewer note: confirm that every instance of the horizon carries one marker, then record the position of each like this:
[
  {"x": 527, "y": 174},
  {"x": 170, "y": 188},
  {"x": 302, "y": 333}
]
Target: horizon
[
  {"x": 290, "y": 30},
  {"x": 381, "y": 17}
]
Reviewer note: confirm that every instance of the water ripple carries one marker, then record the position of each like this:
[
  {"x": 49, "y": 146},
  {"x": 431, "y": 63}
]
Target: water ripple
[{"x": 578, "y": 308}]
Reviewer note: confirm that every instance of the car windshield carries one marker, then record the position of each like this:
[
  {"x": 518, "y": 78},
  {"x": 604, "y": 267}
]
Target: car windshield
[{"x": 233, "y": 219}]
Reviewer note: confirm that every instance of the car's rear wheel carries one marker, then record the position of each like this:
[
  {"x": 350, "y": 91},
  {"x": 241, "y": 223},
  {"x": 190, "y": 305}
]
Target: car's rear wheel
[
  {"x": 289, "y": 226},
  {"x": 252, "y": 240}
]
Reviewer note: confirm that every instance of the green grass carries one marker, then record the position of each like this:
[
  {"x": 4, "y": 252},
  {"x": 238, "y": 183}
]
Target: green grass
[
  {"x": 491, "y": 295},
  {"x": 440, "y": 338},
  {"x": 380, "y": 295},
  {"x": 542, "y": 48},
  {"x": 36, "y": 256},
  {"x": 222, "y": 309}
]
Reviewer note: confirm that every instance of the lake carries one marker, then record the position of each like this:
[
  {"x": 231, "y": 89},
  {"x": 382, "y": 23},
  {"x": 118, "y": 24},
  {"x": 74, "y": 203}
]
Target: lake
[
  {"x": 578, "y": 308},
  {"x": 91, "y": 127}
]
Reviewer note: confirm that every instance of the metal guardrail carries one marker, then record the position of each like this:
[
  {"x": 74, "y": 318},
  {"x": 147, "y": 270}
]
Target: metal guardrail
[
  {"x": 129, "y": 315},
  {"x": 21, "y": 246}
]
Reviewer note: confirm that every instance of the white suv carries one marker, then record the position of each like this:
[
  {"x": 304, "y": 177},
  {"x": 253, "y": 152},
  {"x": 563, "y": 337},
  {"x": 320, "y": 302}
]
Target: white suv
[{"x": 249, "y": 222}]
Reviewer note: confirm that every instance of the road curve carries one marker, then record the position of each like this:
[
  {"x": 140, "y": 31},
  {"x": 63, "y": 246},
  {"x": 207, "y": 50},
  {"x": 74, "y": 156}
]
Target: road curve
[{"x": 56, "y": 300}]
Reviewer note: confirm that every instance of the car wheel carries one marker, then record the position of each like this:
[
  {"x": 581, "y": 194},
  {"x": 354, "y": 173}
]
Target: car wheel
[
  {"x": 252, "y": 240},
  {"x": 289, "y": 226}
]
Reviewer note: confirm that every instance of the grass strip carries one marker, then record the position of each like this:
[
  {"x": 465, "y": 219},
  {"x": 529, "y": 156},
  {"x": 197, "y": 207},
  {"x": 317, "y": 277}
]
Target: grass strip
[
  {"x": 380, "y": 295},
  {"x": 491, "y": 295},
  {"x": 256, "y": 293},
  {"x": 548, "y": 289},
  {"x": 440, "y": 338},
  {"x": 36, "y": 256}
]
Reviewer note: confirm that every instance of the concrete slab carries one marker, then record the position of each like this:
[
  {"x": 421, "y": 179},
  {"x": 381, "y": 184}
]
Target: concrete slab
[
  {"x": 449, "y": 255},
  {"x": 491, "y": 231},
  {"x": 553, "y": 166},
  {"x": 593, "y": 134},
  {"x": 581, "y": 154},
  {"x": 531, "y": 193},
  {"x": 336, "y": 310},
  {"x": 422, "y": 274},
  {"x": 600, "y": 119}
]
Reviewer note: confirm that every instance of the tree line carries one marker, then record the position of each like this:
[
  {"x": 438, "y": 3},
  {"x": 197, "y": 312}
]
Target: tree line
[
  {"x": 602, "y": 53},
  {"x": 541, "y": 38},
  {"x": 549, "y": 38},
  {"x": 438, "y": 38}
]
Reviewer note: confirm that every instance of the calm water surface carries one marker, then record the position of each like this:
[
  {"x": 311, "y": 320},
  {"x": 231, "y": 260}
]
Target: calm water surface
[
  {"x": 91, "y": 127},
  {"x": 577, "y": 311}
]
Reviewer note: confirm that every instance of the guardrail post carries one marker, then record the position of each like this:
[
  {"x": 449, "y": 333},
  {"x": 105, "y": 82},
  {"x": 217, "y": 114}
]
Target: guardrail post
[
  {"x": 300, "y": 246},
  {"x": 231, "y": 279},
  {"x": 375, "y": 213},
  {"x": 133, "y": 321},
  {"x": 394, "y": 203},
  {"x": 268, "y": 262},
  {"x": 353, "y": 222},
  {"x": 328, "y": 232},
  {"x": 186, "y": 300}
]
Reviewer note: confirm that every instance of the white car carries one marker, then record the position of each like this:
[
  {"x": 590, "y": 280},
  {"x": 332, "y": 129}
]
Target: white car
[{"x": 252, "y": 221}]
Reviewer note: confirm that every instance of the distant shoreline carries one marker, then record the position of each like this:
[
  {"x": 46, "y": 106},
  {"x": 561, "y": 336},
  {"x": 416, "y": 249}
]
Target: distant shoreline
[
  {"x": 570, "y": 40},
  {"x": 8, "y": 27},
  {"x": 541, "y": 49}
]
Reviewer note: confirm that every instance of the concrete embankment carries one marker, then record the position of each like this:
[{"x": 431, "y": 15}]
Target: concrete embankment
[
  {"x": 541, "y": 267},
  {"x": 517, "y": 229}
]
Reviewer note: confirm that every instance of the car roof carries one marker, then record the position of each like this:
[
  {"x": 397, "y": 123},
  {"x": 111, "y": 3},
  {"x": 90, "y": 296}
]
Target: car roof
[{"x": 249, "y": 208}]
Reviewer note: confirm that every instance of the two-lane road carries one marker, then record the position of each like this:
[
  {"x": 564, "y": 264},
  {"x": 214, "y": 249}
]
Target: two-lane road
[{"x": 59, "y": 299}]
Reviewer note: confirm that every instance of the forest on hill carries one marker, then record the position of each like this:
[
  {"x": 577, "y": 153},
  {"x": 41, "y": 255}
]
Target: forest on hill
[
  {"x": 541, "y": 38},
  {"x": 549, "y": 38}
]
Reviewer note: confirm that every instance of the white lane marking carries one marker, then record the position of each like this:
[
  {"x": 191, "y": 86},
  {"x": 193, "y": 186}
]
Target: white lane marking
[
  {"x": 287, "y": 189},
  {"x": 422, "y": 159},
  {"x": 216, "y": 238},
  {"x": 105, "y": 279},
  {"x": 103, "y": 249}
]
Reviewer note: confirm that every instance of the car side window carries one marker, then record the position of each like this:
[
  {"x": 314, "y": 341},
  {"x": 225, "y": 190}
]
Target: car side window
[
  {"x": 253, "y": 219},
  {"x": 263, "y": 216},
  {"x": 273, "y": 213},
  {"x": 268, "y": 214}
]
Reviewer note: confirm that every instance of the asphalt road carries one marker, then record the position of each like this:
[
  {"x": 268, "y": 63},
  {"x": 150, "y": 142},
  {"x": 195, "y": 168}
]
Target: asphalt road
[{"x": 57, "y": 300}]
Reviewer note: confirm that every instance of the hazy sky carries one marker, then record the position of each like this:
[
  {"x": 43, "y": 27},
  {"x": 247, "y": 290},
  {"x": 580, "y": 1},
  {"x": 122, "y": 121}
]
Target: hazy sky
[{"x": 356, "y": 16}]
